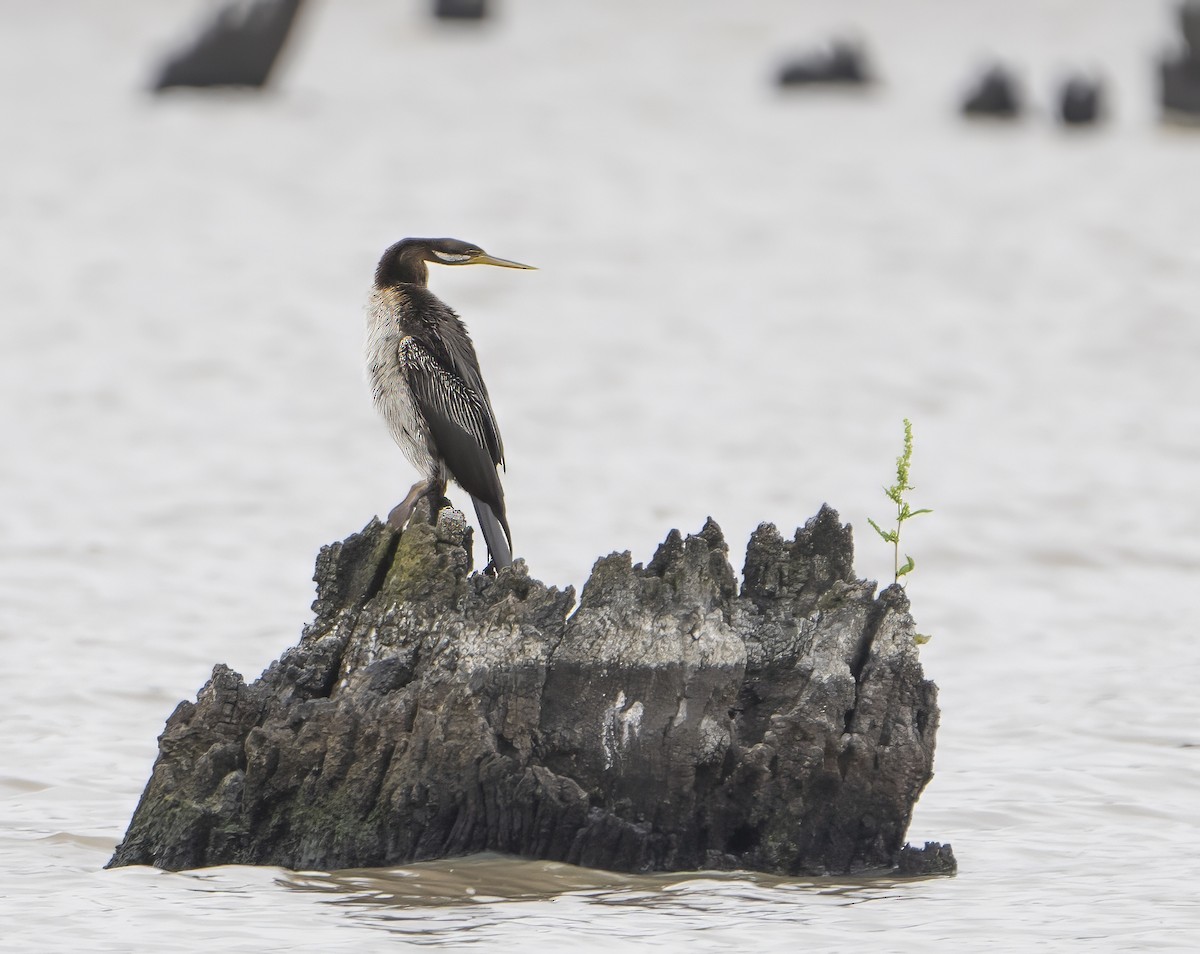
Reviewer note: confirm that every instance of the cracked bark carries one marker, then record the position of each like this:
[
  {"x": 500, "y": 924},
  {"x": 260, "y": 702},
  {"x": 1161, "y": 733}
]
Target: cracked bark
[{"x": 670, "y": 722}]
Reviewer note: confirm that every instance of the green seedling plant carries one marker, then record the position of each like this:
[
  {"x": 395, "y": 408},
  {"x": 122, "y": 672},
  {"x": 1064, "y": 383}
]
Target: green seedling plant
[{"x": 904, "y": 511}]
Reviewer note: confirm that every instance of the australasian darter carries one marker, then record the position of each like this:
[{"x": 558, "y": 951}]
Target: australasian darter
[{"x": 425, "y": 381}]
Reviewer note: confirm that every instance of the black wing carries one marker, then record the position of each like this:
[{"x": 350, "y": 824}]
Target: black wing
[
  {"x": 460, "y": 423},
  {"x": 450, "y": 346}
]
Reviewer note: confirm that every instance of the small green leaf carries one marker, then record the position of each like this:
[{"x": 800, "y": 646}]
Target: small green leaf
[
  {"x": 904, "y": 511},
  {"x": 921, "y": 638}
]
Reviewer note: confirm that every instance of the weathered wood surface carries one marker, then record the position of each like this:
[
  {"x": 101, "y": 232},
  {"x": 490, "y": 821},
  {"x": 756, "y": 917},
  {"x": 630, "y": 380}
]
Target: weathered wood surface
[{"x": 669, "y": 722}]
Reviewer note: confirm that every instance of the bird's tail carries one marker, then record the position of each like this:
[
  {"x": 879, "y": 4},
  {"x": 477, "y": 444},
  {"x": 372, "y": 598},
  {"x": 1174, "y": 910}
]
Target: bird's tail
[{"x": 495, "y": 533}]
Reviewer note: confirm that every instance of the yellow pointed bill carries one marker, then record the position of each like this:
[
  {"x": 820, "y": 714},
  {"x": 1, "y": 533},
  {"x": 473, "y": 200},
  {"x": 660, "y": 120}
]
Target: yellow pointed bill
[{"x": 485, "y": 259}]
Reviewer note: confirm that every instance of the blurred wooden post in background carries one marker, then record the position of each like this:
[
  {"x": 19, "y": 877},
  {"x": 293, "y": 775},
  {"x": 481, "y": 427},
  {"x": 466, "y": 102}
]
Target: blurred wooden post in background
[{"x": 238, "y": 48}]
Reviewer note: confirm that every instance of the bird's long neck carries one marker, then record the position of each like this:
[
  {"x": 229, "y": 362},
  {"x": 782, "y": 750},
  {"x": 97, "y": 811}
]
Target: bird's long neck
[{"x": 405, "y": 265}]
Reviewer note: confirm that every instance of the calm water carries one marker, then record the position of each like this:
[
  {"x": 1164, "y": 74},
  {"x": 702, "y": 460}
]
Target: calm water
[{"x": 741, "y": 296}]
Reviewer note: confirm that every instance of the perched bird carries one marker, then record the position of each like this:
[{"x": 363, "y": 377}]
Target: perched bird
[{"x": 425, "y": 381}]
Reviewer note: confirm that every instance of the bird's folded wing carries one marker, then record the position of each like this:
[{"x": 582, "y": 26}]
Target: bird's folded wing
[{"x": 459, "y": 419}]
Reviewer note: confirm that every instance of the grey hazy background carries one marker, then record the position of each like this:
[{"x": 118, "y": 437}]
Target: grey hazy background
[{"x": 740, "y": 295}]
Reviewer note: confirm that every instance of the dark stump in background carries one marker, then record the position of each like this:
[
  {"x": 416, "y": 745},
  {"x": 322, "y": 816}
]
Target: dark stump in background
[
  {"x": 843, "y": 64},
  {"x": 1081, "y": 101},
  {"x": 995, "y": 94},
  {"x": 1179, "y": 73},
  {"x": 239, "y": 47},
  {"x": 669, "y": 723},
  {"x": 460, "y": 9}
]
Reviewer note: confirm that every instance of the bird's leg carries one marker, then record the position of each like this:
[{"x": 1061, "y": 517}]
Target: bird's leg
[
  {"x": 403, "y": 510},
  {"x": 437, "y": 499},
  {"x": 434, "y": 488}
]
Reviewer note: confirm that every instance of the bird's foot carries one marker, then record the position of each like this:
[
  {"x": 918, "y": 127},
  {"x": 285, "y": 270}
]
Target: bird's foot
[
  {"x": 434, "y": 490},
  {"x": 398, "y": 516},
  {"x": 437, "y": 503}
]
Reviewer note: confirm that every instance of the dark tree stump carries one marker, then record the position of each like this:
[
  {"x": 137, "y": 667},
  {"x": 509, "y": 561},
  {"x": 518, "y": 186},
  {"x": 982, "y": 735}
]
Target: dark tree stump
[
  {"x": 460, "y": 9},
  {"x": 669, "y": 723},
  {"x": 1179, "y": 73},
  {"x": 239, "y": 48},
  {"x": 844, "y": 64},
  {"x": 1081, "y": 101},
  {"x": 995, "y": 94}
]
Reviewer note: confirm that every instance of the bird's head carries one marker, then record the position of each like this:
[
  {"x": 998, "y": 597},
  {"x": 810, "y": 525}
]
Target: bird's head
[{"x": 405, "y": 261}]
